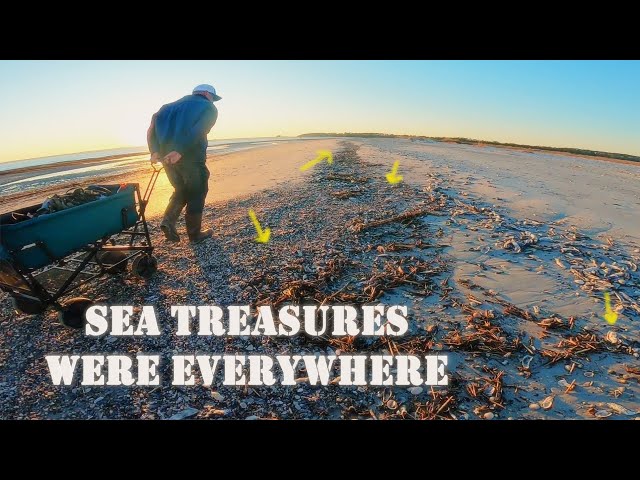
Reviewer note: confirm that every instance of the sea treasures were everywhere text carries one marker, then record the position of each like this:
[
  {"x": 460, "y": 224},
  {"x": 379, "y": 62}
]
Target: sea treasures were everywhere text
[{"x": 207, "y": 368}]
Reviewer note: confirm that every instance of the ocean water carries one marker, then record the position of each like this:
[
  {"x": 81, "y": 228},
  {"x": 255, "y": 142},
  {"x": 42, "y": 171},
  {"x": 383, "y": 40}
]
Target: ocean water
[
  {"x": 69, "y": 157},
  {"x": 132, "y": 159}
]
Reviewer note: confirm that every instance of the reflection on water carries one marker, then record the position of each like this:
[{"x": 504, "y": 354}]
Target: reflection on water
[
  {"x": 84, "y": 173},
  {"x": 70, "y": 157},
  {"x": 97, "y": 154},
  {"x": 78, "y": 172}
]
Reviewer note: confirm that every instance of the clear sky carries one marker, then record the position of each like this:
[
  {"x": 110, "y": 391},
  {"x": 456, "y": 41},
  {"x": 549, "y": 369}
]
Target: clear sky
[{"x": 52, "y": 107}]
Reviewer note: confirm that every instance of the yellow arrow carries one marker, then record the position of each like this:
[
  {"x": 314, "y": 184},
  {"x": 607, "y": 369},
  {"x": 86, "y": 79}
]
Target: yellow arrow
[
  {"x": 609, "y": 315},
  {"x": 392, "y": 176},
  {"x": 322, "y": 154},
  {"x": 263, "y": 235}
]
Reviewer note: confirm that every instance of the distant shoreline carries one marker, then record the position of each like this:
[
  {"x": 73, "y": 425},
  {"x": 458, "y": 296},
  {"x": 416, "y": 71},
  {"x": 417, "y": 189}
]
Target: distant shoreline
[
  {"x": 17, "y": 199},
  {"x": 471, "y": 141}
]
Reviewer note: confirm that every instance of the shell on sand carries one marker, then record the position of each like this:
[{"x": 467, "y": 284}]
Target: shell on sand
[
  {"x": 547, "y": 403},
  {"x": 511, "y": 243},
  {"x": 603, "y": 413},
  {"x": 611, "y": 337},
  {"x": 526, "y": 361},
  {"x": 620, "y": 409}
]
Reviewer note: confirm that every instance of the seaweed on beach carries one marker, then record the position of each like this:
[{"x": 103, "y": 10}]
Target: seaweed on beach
[
  {"x": 581, "y": 345},
  {"x": 440, "y": 406},
  {"x": 488, "y": 389},
  {"x": 359, "y": 225},
  {"x": 482, "y": 337},
  {"x": 350, "y": 238},
  {"x": 348, "y": 178}
]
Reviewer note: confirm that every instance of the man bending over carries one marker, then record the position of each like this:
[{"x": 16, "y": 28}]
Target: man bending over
[{"x": 177, "y": 137}]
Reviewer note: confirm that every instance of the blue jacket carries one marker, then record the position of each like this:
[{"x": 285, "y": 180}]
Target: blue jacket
[{"x": 182, "y": 126}]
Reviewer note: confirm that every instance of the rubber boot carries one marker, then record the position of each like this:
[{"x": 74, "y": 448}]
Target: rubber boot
[
  {"x": 194, "y": 224},
  {"x": 168, "y": 224}
]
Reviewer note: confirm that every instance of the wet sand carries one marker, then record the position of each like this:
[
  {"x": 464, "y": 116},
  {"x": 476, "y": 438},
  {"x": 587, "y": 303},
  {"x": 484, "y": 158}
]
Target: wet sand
[
  {"x": 598, "y": 195},
  {"x": 7, "y": 176},
  {"x": 600, "y": 198},
  {"x": 244, "y": 173},
  {"x": 232, "y": 174}
]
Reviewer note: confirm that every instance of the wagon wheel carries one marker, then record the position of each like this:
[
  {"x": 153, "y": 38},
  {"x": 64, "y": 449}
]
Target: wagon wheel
[
  {"x": 27, "y": 305},
  {"x": 111, "y": 258},
  {"x": 144, "y": 265},
  {"x": 72, "y": 313}
]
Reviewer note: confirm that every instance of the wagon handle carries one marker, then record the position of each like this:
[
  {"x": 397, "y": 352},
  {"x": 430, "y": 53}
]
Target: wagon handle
[{"x": 157, "y": 168}]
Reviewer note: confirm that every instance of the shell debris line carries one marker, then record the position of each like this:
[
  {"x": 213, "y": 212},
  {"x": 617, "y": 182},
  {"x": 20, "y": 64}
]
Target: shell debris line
[{"x": 345, "y": 236}]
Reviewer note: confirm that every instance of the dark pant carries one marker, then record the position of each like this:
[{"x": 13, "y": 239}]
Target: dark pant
[{"x": 191, "y": 183}]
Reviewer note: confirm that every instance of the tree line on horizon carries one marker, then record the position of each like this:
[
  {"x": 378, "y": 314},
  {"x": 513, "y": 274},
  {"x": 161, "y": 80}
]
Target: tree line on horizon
[{"x": 471, "y": 141}]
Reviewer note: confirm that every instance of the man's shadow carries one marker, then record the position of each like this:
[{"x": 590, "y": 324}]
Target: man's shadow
[{"x": 214, "y": 266}]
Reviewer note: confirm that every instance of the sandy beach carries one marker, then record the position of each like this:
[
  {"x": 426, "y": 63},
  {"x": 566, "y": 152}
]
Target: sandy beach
[
  {"x": 233, "y": 174},
  {"x": 502, "y": 256}
]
